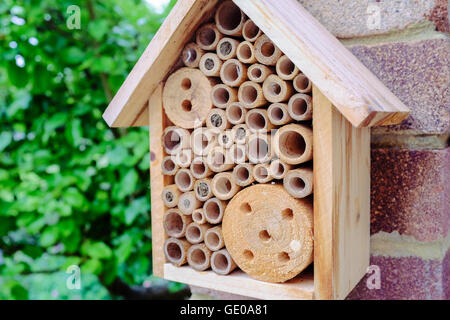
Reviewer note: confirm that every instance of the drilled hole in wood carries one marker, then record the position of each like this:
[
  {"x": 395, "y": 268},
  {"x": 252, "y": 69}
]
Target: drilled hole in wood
[
  {"x": 249, "y": 94},
  {"x": 284, "y": 257},
  {"x": 292, "y": 144},
  {"x": 174, "y": 251},
  {"x": 186, "y": 105},
  {"x": 268, "y": 49},
  {"x": 248, "y": 254},
  {"x": 299, "y": 107},
  {"x": 264, "y": 235},
  {"x": 172, "y": 140},
  {"x": 256, "y": 121},
  {"x": 186, "y": 84},
  {"x": 287, "y": 214},
  {"x": 245, "y": 207},
  {"x": 221, "y": 96},
  {"x": 229, "y": 16}
]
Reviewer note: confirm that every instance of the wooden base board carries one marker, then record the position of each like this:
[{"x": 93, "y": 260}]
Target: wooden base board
[{"x": 299, "y": 288}]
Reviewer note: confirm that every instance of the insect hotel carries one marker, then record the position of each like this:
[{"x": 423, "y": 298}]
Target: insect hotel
[{"x": 260, "y": 149}]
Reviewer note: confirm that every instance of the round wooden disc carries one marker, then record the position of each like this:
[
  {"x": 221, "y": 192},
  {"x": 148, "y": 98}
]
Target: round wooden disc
[
  {"x": 187, "y": 98},
  {"x": 268, "y": 233}
]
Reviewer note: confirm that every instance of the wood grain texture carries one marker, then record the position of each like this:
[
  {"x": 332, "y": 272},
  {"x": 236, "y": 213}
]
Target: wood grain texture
[
  {"x": 299, "y": 288},
  {"x": 341, "y": 201},
  {"x": 152, "y": 67},
  {"x": 355, "y": 91}
]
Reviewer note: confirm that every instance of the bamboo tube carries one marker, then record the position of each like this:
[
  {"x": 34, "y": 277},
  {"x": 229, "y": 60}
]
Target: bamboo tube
[
  {"x": 246, "y": 52},
  {"x": 202, "y": 141},
  {"x": 170, "y": 196},
  {"x": 222, "y": 263},
  {"x": 187, "y": 97},
  {"x": 175, "y": 139},
  {"x": 198, "y": 216},
  {"x": 251, "y": 95},
  {"x": 199, "y": 257},
  {"x": 276, "y": 89},
  {"x": 214, "y": 238},
  {"x": 279, "y": 169},
  {"x": 175, "y": 223},
  {"x": 286, "y": 69},
  {"x": 184, "y": 180},
  {"x": 302, "y": 84},
  {"x": 188, "y": 202},
  {"x": 299, "y": 182},
  {"x": 243, "y": 174},
  {"x": 235, "y": 113},
  {"x": 240, "y": 133},
  {"x": 168, "y": 166},
  {"x": 268, "y": 251},
  {"x": 225, "y": 139},
  {"x": 266, "y": 52},
  {"x": 227, "y": 47},
  {"x": 238, "y": 153},
  {"x": 222, "y": 96},
  {"x": 203, "y": 189},
  {"x": 217, "y": 121},
  {"x": 257, "y": 120},
  {"x": 192, "y": 54},
  {"x": 184, "y": 158},
  {"x": 259, "y": 148},
  {"x": 278, "y": 114},
  {"x": 233, "y": 73},
  {"x": 230, "y": 19},
  {"x": 250, "y": 31},
  {"x": 261, "y": 173},
  {"x": 300, "y": 107},
  {"x": 210, "y": 65},
  {"x": 208, "y": 36},
  {"x": 195, "y": 233},
  {"x": 223, "y": 186},
  {"x": 293, "y": 144},
  {"x": 213, "y": 210},
  {"x": 218, "y": 160},
  {"x": 176, "y": 250},
  {"x": 258, "y": 72},
  {"x": 199, "y": 168}
]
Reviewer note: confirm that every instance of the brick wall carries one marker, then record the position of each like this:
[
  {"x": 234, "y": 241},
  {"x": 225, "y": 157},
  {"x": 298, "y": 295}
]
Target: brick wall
[{"x": 410, "y": 192}]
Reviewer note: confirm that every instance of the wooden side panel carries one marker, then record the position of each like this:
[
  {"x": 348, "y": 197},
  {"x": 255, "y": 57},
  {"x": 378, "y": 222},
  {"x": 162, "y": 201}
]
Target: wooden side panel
[
  {"x": 152, "y": 67},
  {"x": 358, "y": 94},
  {"x": 341, "y": 201}
]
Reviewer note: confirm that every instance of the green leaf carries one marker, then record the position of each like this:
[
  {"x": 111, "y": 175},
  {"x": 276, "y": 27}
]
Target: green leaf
[
  {"x": 137, "y": 207},
  {"x": 5, "y": 139},
  {"x": 98, "y": 250},
  {"x": 73, "y": 55},
  {"x": 98, "y": 28},
  {"x": 17, "y": 76},
  {"x": 49, "y": 236},
  {"x": 92, "y": 266}
]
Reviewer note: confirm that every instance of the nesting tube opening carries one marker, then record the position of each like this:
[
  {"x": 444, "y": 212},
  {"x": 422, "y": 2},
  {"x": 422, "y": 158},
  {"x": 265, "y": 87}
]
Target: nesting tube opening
[{"x": 230, "y": 19}]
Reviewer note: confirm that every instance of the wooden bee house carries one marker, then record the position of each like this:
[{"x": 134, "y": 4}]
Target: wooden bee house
[{"x": 284, "y": 187}]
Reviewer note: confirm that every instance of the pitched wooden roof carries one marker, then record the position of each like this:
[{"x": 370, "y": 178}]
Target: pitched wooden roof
[{"x": 353, "y": 89}]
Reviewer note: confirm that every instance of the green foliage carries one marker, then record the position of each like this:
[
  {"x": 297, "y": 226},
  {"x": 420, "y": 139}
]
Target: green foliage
[{"x": 72, "y": 191}]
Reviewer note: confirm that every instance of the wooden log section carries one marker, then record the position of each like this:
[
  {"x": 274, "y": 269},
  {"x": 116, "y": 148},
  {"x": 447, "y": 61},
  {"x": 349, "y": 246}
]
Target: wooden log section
[
  {"x": 230, "y": 19},
  {"x": 225, "y": 139},
  {"x": 270, "y": 240},
  {"x": 175, "y": 223},
  {"x": 188, "y": 202},
  {"x": 170, "y": 196},
  {"x": 203, "y": 190},
  {"x": 222, "y": 263},
  {"x": 278, "y": 114},
  {"x": 300, "y": 107},
  {"x": 192, "y": 54},
  {"x": 223, "y": 186},
  {"x": 226, "y": 49},
  {"x": 250, "y": 31},
  {"x": 199, "y": 168},
  {"x": 184, "y": 158},
  {"x": 198, "y": 216},
  {"x": 219, "y": 160},
  {"x": 208, "y": 37},
  {"x": 259, "y": 148},
  {"x": 217, "y": 121},
  {"x": 246, "y": 52},
  {"x": 214, "y": 238},
  {"x": 235, "y": 113},
  {"x": 276, "y": 89},
  {"x": 184, "y": 180},
  {"x": 243, "y": 174},
  {"x": 266, "y": 52},
  {"x": 251, "y": 95},
  {"x": 261, "y": 173},
  {"x": 187, "y": 98},
  {"x": 279, "y": 169},
  {"x": 199, "y": 257},
  {"x": 210, "y": 64},
  {"x": 168, "y": 166},
  {"x": 222, "y": 96},
  {"x": 176, "y": 250},
  {"x": 258, "y": 72},
  {"x": 233, "y": 73},
  {"x": 240, "y": 133},
  {"x": 214, "y": 210},
  {"x": 293, "y": 144},
  {"x": 202, "y": 141},
  {"x": 195, "y": 233},
  {"x": 286, "y": 69},
  {"x": 302, "y": 84},
  {"x": 238, "y": 153},
  {"x": 299, "y": 182},
  {"x": 257, "y": 120},
  {"x": 175, "y": 139}
]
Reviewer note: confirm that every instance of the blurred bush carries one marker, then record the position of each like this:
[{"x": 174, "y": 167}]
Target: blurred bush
[{"x": 72, "y": 191}]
